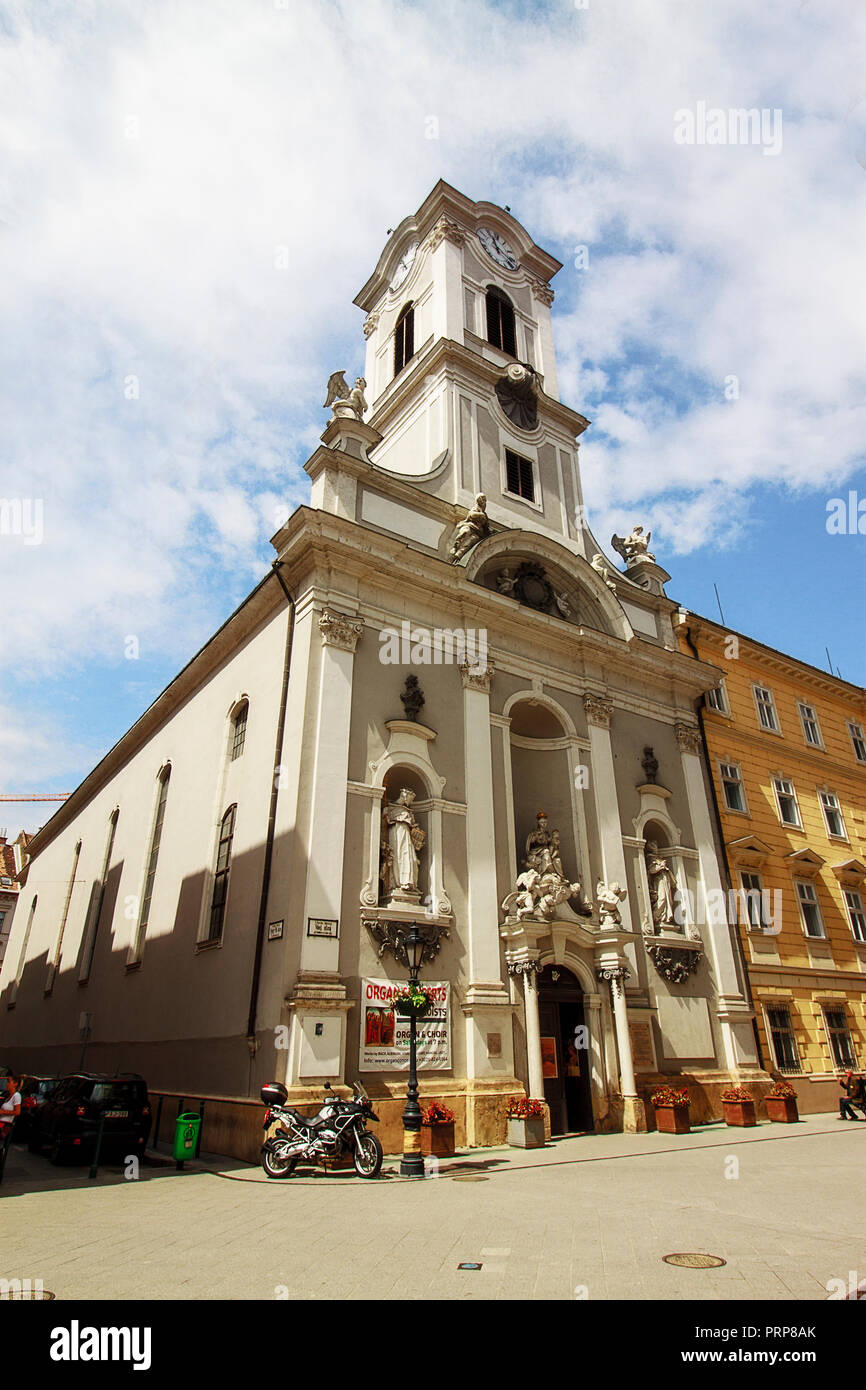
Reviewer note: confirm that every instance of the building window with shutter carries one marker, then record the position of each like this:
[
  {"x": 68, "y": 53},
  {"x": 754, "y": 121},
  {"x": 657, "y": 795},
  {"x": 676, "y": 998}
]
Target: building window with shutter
[
  {"x": 500, "y": 321},
  {"x": 221, "y": 876},
  {"x": 519, "y": 476},
  {"x": 404, "y": 337},
  {"x": 782, "y": 1038}
]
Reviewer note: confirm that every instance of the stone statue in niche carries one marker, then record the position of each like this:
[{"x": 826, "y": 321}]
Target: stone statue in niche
[
  {"x": 634, "y": 546},
  {"x": 663, "y": 887},
  {"x": 650, "y": 765},
  {"x": 543, "y": 886},
  {"x": 609, "y": 896},
  {"x": 474, "y": 528},
  {"x": 506, "y": 581},
  {"x": 517, "y": 393},
  {"x": 344, "y": 403},
  {"x": 405, "y": 841},
  {"x": 412, "y": 698}
]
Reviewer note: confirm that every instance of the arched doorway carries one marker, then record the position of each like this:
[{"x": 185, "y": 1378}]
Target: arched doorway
[{"x": 565, "y": 1054}]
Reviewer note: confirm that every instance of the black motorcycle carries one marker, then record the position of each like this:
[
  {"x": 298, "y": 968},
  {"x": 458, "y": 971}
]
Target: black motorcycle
[{"x": 339, "y": 1128}]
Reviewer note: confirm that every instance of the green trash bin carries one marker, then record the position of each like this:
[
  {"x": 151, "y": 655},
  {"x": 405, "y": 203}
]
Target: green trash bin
[{"x": 186, "y": 1128}]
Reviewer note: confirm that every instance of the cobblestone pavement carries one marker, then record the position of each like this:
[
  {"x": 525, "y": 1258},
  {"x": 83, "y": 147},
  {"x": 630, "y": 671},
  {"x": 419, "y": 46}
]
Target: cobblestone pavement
[{"x": 585, "y": 1217}]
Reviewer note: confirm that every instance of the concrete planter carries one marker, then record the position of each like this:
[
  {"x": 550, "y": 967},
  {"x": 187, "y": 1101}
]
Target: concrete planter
[
  {"x": 526, "y": 1134},
  {"x": 782, "y": 1110},
  {"x": 672, "y": 1119},
  {"x": 739, "y": 1112},
  {"x": 438, "y": 1139}
]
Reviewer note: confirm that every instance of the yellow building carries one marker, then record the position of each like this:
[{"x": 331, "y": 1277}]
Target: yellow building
[{"x": 787, "y": 748}]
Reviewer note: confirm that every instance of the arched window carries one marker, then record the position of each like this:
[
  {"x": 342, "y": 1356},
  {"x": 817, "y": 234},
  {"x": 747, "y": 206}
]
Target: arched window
[
  {"x": 137, "y": 947},
  {"x": 404, "y": 337},
  {"x": 500, "y": 321},
  {"x": 239, "y": 730},
  {"x": 221, "y": 876},
  {"x": 55, "y": 960},
  {"x": 90, "y": 942}
]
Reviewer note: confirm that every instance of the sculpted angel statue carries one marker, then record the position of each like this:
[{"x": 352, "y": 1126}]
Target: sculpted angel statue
[
  {"x": 344, "y": 402},
  {"x": 609, "y": 896},
  {"x": 471, "y": 530},
  {"x": 634, "y": 546}
]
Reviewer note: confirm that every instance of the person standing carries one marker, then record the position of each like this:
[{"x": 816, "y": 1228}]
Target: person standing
[{"x": 10, "y": 1109}]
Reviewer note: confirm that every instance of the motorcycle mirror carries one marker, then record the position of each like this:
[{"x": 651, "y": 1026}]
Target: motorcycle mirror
[{"x": 327, "y": 1085}]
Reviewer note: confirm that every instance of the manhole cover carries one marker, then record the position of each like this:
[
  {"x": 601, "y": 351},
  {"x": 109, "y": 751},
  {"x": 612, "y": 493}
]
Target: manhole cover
[
  {"x": 470, "y": 1177},
  {"x": 689, "y": 1261},
  {"x": 467, "y": 1264}
]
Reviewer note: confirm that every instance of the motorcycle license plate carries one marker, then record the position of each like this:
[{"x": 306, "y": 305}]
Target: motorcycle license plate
[{"x": 117, "y": 1114}]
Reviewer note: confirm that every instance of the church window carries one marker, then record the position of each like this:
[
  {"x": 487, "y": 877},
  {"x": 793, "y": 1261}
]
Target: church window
[
  {"x": 404, "y": 337},
  {"x": 239, "y": 729},
  {"x": 500, "y": 321},
  {"x": 519, "y": 477},
  {"x": 90, "y": 945},
  {"x": 221, "y": 876},
  {"x": 156, "y": 836}
]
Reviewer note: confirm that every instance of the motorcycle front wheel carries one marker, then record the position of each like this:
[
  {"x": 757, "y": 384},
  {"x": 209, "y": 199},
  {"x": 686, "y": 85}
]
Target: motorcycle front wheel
[
  {"x": 277, "y": 1167},
  {"x": 369, "y": 1161}
]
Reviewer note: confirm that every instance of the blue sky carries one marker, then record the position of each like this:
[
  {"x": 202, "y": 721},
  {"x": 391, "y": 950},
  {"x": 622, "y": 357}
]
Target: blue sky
[{"x": 162, "y": 379}]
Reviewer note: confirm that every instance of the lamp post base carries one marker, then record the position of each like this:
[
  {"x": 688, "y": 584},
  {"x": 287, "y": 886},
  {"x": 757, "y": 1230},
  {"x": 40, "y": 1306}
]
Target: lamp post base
[{"x": 412, "y": 1161}]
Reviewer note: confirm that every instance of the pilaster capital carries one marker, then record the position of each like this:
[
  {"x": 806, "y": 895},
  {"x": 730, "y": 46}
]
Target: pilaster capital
[
  {"x": 615, "y": 975},
  {"x": 598, "y": 710},
  {"x": 446, "y": 229},
  {"x": 689, "y": 738},
  {"x": 526, "y": 966},
  {"x": 477, "y": 677},
  {"x": 542, "y": 291},
  {"x": 339, "y": 630}
]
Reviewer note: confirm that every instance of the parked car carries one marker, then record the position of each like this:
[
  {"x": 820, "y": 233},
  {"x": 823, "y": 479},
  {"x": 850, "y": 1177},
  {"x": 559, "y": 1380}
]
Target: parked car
[
  {"x": 35, "y": 1091},
  {"x": 67, "y": 1124}
]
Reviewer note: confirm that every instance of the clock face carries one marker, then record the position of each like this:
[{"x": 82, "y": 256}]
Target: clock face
[
  {"x": 497, "y": 248},
  {"x": 405, "y": 266}
]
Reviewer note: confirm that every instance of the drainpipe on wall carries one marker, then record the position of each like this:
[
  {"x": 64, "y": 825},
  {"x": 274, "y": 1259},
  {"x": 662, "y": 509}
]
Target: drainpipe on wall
[
  {"x": 272, "y": 818},
  {"x": 732, "y": 927}
]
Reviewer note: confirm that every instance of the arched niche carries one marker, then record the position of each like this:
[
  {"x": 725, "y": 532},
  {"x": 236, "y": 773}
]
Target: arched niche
[
  {"x": 406, "y": 762},
  {"x": 542, "y": 752}
]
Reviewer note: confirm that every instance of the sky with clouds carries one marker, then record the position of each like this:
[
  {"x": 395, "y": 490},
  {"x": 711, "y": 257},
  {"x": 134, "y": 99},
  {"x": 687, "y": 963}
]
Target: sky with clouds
[{"x": 192, "y": 193}]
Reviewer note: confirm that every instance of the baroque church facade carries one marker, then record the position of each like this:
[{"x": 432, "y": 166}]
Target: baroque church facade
[{"x": 442, "y": 705}]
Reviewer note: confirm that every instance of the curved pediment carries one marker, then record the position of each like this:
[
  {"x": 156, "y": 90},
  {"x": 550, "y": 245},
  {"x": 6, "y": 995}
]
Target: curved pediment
[{"x": 534, "y": 571}]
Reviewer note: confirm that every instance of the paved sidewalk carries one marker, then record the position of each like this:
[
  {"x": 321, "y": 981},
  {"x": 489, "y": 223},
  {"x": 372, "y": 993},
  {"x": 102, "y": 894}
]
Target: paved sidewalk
[{"x": 587, "y": 1217}]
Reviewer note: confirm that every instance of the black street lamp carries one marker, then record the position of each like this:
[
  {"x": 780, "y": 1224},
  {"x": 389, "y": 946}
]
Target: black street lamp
[{"x": 412, "y": 1164}]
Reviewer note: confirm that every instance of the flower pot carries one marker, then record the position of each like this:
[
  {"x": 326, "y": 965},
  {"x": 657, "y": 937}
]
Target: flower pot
[
  {"x": 526, "y": 1134},
  {"x": 782, "y": 1110},
  {"x": 739, "y": 1112},
  {"x": 438, "y": 1139},
  {"x": 672, "y": 1119}
]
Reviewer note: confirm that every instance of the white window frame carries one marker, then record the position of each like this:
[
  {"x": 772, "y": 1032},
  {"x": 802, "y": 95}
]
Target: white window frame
[
  {"x": 537, "y": 502},
  {"x": 721, "y": 693},
  {"x": 832, "y": 834},
  {"x": 790, "y": 824},
  {"x": 810, "y": 718},
  {"x": 813, "y": 902},
  {"x": 748, "y": 901},
  {"x": 776, "y": 727},
  {"x": 855, "y": 733},
  {"x": 856, "y": 913},
  {"x": 734, "y": 810}
]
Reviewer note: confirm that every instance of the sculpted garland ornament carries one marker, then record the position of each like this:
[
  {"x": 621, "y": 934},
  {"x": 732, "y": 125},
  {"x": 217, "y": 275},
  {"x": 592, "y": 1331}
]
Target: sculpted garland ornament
[{"x": 673, "y": 963}]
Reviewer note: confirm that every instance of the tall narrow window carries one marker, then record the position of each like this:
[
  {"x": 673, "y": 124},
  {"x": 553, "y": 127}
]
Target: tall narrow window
[
  {"x": 858, "y": 740},
  {"x": 783, "y": 1040},
  {"x": 22, "y": 958},
  {"x": 766, "y": 708},
  {"x": 717, "y": 699},
  {"x": 93, "y": 930},
  {"x": 500, "y": 321},
  {"x": 810, "y": 911},
  {"x": 732, "y": 785},
  {"x": 856, "y": 915},
  {"x": 221, "y": 876},
  {"x": 839, "y": 1033},
  {"x": 55, "y": 959},
  {"x": 753, "y": 900},
  {"x": 811, "y": 727},
  {"x": 832, "y": 815},
  {"x": 239, "y": 729},
  {"x": 136, "y": 950},
  {"x": 786, "y": 800},
  {"x": 519, "y": 477},
  {"x": 404, "y": 337}
]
